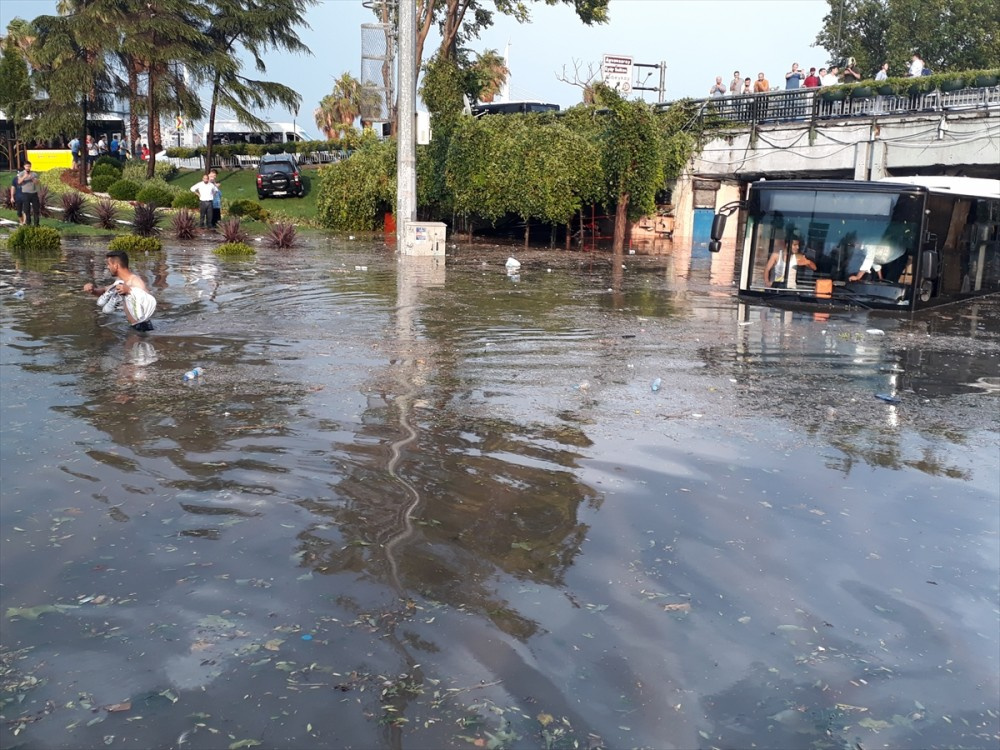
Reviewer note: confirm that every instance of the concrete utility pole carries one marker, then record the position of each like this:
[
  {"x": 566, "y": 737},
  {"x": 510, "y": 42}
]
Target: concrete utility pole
[{"x": 406, "y": 149}]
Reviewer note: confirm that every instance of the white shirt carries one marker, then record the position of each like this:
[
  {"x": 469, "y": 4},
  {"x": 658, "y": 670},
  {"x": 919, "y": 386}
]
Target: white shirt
[
  {"x": 828, "y": 80},
  {"x": 881, "y": 75},
  {"x": 917, "y": 67},
  {"x": 205, "y": 190}
]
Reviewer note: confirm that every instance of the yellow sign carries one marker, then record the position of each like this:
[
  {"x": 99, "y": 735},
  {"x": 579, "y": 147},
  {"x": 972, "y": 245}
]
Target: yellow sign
[{"x": 43, "y": 160}]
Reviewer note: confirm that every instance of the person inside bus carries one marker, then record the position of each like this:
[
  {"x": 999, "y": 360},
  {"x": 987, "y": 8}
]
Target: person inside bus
[
  {"x": 882, "y": 261},
  {"x": 782, "y": 265}
]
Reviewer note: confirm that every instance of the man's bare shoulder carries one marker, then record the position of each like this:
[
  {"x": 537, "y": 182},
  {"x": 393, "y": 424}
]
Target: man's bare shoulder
[{"x": 135, "y": 280}]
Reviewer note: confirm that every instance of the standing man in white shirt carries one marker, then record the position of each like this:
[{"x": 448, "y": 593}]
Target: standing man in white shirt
[
  {"x": 916, "y": 66},
  {"x": 206, "y": 190}
]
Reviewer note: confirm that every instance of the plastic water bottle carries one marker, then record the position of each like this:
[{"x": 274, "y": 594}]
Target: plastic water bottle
[
  {"x": 192, "y": 374},
  {"x": 655, "y": 385},
  {"x": 19, "y": 294}
]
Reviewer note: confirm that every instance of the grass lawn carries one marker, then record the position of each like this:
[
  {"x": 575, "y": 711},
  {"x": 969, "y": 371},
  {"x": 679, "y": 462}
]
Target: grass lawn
[{"x": 240, "y": 184}]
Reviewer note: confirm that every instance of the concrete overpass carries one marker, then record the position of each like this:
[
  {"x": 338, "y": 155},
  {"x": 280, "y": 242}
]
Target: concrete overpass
[{"x": 799, "y": 134}]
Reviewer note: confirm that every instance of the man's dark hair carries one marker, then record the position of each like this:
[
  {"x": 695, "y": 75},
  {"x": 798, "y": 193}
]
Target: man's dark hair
[{"x": 121, "y": 255}]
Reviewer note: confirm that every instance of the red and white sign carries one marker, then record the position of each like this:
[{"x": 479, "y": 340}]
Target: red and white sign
[{"x": 616, "y": 71}]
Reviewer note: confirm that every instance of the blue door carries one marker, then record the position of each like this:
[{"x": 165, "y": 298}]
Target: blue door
[{"x": 702, "y": 232}]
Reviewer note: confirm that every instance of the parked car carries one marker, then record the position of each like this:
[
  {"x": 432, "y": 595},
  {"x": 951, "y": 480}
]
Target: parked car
[{"x": 278, "y": 174}]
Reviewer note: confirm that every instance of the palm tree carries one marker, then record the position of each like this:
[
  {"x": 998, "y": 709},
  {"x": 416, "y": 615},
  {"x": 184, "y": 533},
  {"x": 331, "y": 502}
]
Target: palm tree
[
  {"x": 490, "y": 70},
  {"x": 338, "y": 110}
]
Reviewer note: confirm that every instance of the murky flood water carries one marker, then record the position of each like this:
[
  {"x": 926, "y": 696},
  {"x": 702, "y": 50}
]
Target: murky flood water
[{"x": 413, "y": 505}]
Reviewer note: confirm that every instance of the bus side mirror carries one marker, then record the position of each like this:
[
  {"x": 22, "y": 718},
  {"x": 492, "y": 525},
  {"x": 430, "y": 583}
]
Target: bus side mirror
[{"x": 718, "y": 227}]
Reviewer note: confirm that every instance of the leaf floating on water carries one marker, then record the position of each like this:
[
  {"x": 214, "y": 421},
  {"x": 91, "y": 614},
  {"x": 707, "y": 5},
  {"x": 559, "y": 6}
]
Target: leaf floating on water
[
  {"x": 545, "y": 719},
  {"x": 743, "y": 620},
  {"x": 704, "y": 734},
  {"x": 274, "y": 644},
  {"x": 677, "y": 607},
  {"x": 789, "y": 627},
  {"x": 33, "y": 613},
  {"x": 876, "y": 725},
  {"x": 124, "y": 706},
  {"x": 520, "y": 545},
  {"x": 244, "y": 743},
  {"x": 169, "y": 695}
]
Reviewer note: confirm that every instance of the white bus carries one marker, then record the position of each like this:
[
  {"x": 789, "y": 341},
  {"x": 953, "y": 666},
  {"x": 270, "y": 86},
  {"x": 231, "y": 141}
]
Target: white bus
[{"x": 233, "y": 132}]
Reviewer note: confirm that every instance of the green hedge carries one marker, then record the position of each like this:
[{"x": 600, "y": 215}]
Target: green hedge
[
  {"x": 123, "y": 190},
  {"x": 101, "y": 183},
  {"x": 185, "y": 199},
  {"x": 134, "y": 244},
  {"x": 136, "y": 170},
  {"x": 41, "y": 240},
  {"x": 248, "y": 209},
  {"x": 109, "y": 161},
  {"x": 106, "y": 169},
  {"x": 155, "y": 194}
]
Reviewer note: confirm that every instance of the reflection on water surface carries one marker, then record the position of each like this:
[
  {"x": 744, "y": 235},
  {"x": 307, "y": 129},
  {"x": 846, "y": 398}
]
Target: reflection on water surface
[{"x": 425, "y": 505}]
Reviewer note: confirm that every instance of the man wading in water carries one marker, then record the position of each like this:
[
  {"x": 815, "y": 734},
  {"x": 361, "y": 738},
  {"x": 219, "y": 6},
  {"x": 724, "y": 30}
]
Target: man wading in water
[{"x": 129, "y": 289}]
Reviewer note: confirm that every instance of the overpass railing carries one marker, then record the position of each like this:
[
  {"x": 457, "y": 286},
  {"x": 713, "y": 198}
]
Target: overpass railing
[{"x": 821, "y": 104}]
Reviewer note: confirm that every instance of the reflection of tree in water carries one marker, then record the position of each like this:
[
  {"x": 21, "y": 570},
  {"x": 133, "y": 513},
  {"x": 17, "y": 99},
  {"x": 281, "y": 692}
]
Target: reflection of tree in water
[{"x": 480, "y": 511}]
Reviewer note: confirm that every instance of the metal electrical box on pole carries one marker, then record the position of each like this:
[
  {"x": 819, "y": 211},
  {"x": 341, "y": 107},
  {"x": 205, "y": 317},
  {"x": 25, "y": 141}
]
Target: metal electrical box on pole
[{"x": 406, "y": 149}]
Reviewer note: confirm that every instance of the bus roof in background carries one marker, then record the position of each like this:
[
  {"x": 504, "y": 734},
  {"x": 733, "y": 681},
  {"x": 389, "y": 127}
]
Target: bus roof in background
[
  {"x": 508, "y": 108},
  {"x": 235, "y": 126},
  {"x": 973, "y": 187}
]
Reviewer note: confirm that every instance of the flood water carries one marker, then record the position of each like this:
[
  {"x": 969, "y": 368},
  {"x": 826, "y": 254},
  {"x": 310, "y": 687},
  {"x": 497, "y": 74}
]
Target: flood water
[{"x": 432, "y": 505}]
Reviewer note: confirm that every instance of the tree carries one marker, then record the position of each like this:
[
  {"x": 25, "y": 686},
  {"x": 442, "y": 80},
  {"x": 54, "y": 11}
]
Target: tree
[
  {"x": 15, "y": 85},
  {"x": 338, "y": 110},
  {"x": 461, "y": 20},
  {"x": 255, "y": 27},
  {"x": 70, "y": 57},
  {"x": 489, "y": 73},
  {"x": 161, "y": 35},
  {"x": 947, "y": 34},
  {"x": 632, "y": 159}
]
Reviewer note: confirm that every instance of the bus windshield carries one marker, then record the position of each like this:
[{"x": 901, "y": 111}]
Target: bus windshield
[{"x": 795, "y": 236}]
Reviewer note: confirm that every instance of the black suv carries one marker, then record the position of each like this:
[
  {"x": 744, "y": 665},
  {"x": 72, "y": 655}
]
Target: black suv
[{"x": 278, "y": 174}]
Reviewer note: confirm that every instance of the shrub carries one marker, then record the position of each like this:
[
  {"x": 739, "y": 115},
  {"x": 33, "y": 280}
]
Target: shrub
[
  {"x": 39, "y": 240},
  {"x": 107, "y": 214},
  {"x": 133, "y": 244},
  {"x": 281, "y": 235},
  {"x": 123, "y": 190},
  {"x": 250, "y": 209},
  {"x": 73, "y": 205},
  {"x": 136, "y": 170},
  {"x": 183, "y": 224},
  {"x": 232, "y": 231},
  {"x": 53, "y": 179},
  {"x": 102, "y": 169},
  {"x": 234, "y": 248},
  {"x": 146, "y": 220},
  {"x": 102, "y": 183},
  {"x": 108, "y": 161},
  {"x": 185, "y": 199},
  {"x": 180, "y": 152},
  {"x": 154, "y": 195}
]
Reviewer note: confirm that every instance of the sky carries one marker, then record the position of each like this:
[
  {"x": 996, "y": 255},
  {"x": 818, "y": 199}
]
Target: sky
[{"x": 698, "y": 40}]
